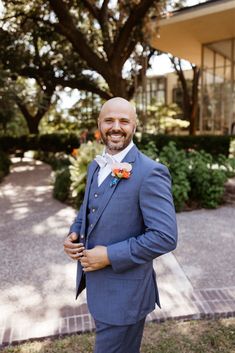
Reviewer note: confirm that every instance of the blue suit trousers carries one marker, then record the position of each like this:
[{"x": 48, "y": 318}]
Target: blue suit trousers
[{"x": 118, "y": 339}]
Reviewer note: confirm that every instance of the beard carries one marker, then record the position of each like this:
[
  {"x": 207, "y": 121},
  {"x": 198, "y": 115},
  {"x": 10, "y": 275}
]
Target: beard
[{"x": 118, "y": 145}]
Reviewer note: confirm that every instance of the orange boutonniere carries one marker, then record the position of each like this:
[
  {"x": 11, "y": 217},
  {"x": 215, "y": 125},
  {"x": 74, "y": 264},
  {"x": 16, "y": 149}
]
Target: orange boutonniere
[{"x": 120, "y": 171}]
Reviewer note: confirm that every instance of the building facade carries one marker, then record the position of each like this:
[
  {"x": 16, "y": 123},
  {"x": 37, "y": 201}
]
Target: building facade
[
  {"x": 218, "y": 87},
  {"x": 205, "y": 35}
]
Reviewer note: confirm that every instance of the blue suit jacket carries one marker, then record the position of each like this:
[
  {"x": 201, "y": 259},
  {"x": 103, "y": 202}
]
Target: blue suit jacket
[{"x": 136, "y": 221}]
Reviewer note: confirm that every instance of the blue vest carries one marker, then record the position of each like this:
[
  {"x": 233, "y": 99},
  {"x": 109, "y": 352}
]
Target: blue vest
[{"x": 95, "y": 196}]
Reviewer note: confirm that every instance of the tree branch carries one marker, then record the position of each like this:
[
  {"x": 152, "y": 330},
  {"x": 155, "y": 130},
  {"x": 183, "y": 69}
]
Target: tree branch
[
  {"x": 132, "y": 44},
  {"x": 104, "y": 7},
  {"x": 135, "y": 18},
  {"x": 83, "y": 84},
  {"x": 37, "y": 58},
  {"x": 66, "y": 27},
  {"x": 90, "y": 6},
  {"x": 196, "y": 77},
  {"x": 101, "y": 16},
  {"x": 4, "y": 19},
  {"x": 45, "y": 102},
  {"x": 181, "y": 76},
  {"x": 23, "y": 109},
  {"x": 104, "y": 24}
]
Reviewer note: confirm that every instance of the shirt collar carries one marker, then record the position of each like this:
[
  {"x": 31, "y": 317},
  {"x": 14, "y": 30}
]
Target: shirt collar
[{"x": 121, "y": 155}]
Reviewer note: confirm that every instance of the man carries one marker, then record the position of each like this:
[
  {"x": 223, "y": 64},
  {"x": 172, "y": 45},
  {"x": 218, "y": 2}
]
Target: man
[{"x": 127, "y": 219}]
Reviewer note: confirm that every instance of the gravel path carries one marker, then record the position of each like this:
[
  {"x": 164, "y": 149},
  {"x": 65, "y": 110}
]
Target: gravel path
[
  {"x": 35, "y": 272},
  {"x": 206, "y": 248}
]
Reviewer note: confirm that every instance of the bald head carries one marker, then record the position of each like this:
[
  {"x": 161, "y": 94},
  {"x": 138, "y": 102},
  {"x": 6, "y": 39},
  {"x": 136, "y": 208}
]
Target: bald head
[
  {"x": 118, "y": 105},
  {"x": 117, "y": 124}
]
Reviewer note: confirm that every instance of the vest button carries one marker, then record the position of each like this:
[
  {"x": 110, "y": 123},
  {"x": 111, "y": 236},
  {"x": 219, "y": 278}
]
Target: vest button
[
  {"x": 82, "y": 236},
  {"x": 96, "y": 195},
  {"x": 91, "y": 225},
  {"x": 93, "y": 210}
]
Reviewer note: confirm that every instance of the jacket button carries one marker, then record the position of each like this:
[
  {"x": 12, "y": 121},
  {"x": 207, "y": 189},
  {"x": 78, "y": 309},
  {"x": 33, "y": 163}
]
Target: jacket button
[
  {"x": 96, "y": 195},
  {"x": 82, "y": 236}
]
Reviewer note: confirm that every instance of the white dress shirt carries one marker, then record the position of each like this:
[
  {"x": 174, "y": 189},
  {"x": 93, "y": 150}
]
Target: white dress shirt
[{"x": 105, "y": 171}]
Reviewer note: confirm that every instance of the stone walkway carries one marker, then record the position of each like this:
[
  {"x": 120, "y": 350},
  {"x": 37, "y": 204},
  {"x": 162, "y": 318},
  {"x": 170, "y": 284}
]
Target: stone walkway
[{"x": 37, "y": 295}]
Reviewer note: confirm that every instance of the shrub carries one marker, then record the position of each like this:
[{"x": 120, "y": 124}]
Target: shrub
[
  {"x": 207, "y": 179},
  {"x": 197, "y": 178},
  {"x": 62, "y": 184},
  {"x": 66, "y": 142},
  {"x": 60, "y": 164},
  {"x": 48, "y": 142},
  {"x": 23, "y": 143},
  {"x": 4, "y": 164},
  {"x": 228, "y": 164},
  {"x": 232, "y": 147},
  {"x": 78, "y": 169},
  {"x": 150, "y": 150},
  {"x": 214, "y": 145},
  {"x": 58, "y": 142},
  {"x": 177, "y": 163},
  {"x": 57, "y": 160}
]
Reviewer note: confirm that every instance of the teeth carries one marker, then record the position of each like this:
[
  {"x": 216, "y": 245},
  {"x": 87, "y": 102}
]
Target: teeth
[{"x": 115, "y": 136}]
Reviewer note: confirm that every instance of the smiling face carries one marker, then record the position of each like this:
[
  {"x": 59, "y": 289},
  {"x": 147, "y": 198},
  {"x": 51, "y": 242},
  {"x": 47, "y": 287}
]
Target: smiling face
[{"x": 117, "y": 124}]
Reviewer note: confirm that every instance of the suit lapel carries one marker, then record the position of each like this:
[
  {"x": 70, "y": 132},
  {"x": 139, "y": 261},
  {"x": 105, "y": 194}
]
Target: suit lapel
[
  {"x": 129, "y": 158},
  {"x": 93, "y": 168},
  {"x": 131, "y": 155}
]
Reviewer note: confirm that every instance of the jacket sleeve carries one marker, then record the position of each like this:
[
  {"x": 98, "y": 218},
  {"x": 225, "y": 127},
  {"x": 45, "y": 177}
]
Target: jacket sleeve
[{"x": 160, "y": 234}]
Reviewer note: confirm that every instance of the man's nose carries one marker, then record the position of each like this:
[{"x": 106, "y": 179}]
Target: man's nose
[{"x": 116, "y": 125}]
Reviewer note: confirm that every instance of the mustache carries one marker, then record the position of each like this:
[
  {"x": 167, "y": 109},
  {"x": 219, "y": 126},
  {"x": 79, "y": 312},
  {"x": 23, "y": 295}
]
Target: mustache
[{"x": 116, "y": 132}]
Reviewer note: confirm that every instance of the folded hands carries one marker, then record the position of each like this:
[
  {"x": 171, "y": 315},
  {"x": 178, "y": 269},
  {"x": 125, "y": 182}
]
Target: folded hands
[{"x": 92, "y": 259}]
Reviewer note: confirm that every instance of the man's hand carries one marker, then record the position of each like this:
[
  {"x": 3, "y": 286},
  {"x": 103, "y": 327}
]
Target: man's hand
[
  {"x": 73, "y": 250},
  {"x": 95, "y": 259}
]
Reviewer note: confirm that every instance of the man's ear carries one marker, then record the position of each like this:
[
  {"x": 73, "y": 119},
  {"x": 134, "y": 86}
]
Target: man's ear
[{"x": 135, "y": 129}]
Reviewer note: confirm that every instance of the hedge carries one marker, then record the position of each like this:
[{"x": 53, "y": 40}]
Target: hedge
[
  {"x": 214, "y": 145},
  {"x": 47, "y": 143}
]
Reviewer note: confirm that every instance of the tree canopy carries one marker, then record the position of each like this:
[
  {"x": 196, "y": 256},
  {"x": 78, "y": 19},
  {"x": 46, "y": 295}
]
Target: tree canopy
[
  {"x": 71, "y": 43},
  {"x": 92, "y": 45}
]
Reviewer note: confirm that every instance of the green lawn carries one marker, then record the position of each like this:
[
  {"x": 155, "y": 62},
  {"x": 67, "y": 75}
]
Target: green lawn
[{"x": 214, "y": 336}]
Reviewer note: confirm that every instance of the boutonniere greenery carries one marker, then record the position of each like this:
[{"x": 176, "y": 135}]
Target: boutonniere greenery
[{"x": 120, "y": 171}]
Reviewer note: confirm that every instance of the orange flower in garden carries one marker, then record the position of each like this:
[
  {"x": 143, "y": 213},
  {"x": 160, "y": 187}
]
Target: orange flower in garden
[
  {"x": 97, "y": 135},
  {"x": 83, "y": 136},
  {"x": 74, "y": 152}
]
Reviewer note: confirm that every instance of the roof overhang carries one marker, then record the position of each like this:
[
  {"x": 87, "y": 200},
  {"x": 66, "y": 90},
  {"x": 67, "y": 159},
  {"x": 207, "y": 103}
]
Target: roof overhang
[{"x": 183, "y": 33}]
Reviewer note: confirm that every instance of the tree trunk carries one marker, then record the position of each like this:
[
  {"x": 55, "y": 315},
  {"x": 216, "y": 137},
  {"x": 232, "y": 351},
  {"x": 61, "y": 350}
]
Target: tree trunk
[
  {"x": 34, "y": 120},
  {"x": 193, "y": 118},
  {"x": 194, "y": 104},
  {"x": 190, "y": 99},
  {"x": 118, "y": 86},
  {"x": 33, "y": 126}
]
